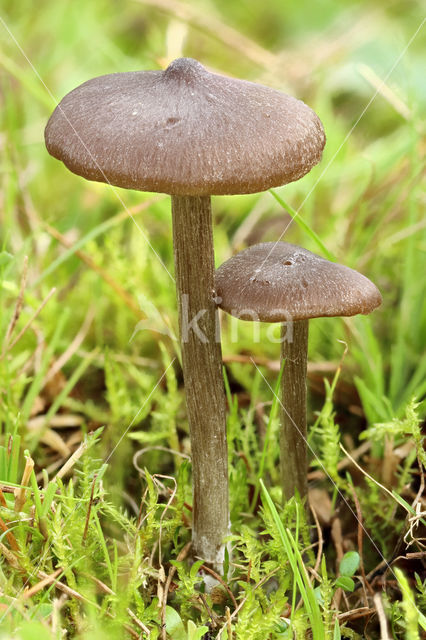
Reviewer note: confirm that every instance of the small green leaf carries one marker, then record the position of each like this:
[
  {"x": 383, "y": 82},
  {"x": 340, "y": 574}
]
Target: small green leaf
[
  {"x": 174, "y": 625},
  {"x": 318, "y": 595},
  {"x": 226, "y": 564},
  {"x": 44, "y": 610},
  {"x": 195, "y": 633},
  {"x": 336, "y": 632},
  {"x": 32, "y": 629},
  {"x": 349, "y": 563},
  {"x": 195, "y": 568},
  {"x": 346, "y": 583}
]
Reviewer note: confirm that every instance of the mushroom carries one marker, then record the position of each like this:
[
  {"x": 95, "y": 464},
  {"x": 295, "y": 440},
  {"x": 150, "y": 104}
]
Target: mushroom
[
  {"x": 281, "y": 282},
  {"x": 192, "y": 134}
]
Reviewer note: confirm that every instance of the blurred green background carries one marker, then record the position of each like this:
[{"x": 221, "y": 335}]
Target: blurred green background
[
  {"x": 96, "y": 353},
  {"x": 359, "y": 65}
]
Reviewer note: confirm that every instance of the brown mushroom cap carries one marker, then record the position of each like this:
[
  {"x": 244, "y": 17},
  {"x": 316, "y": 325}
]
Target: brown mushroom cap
[
  {"x": 184, "y": 131},
  {"x": 275, "y": 282}
]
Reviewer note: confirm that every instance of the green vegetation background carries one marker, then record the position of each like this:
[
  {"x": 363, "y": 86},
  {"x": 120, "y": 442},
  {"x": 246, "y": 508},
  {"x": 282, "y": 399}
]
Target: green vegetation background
[{"x": 111, "y": 321}]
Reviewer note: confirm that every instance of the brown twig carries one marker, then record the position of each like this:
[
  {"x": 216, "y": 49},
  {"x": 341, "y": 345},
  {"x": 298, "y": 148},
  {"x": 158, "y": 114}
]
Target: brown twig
[
  {"x": 106, "y": 589},
  {"x": 274, "y": 365},
  {"x": 336, "y": 535},
  {"x": 213, "y": 616},
  {"x": 249, "y": 571},
  {"x": 185, "y": 504},
  {"x": 161, "y": 573},
  {"x": 414, "y": 556},
  {"x": 20, "y": 496},
  {"x": 6, "y": 489},
  {"x": 385, "y": 91},
  {"x": 9, "y": 535},
  {"x": 73, "y": 347},
  {"x": 117, "y": 219},
  {"x": 28, "y": 593},
  {"x": 140, "y": 519},
  {"x": 244, "y": 600},
  {"x": 89, "y": 509},
  {"x": 229, "y": 623},
  {"x": 128, "y": 300},
  {"x": 30, "y": 321},
  {"x": 2, "y": 499},
  {"x": 181, "y": 556},
  {"x": 194, "y": 15},
  {"x": 370, "y": 477},
  {"x": 78, "y": 596},
  {"x": 71, "y": 461},
  {"x": 320, "y": 537},
  {"x": 141, "y": 452},
  {"x": 420, "y": 492},
  {"x": 102, "y": 586},
  {"x": 222, "y": 582},
  {"x": 167, "y": 506},
  {"x": 10, "y": 557},
  {"x": 384, "y": 634},
  {"x": 139, "y": 622},
  {"x": 361, "y": 612},
  {"x": 360, "y": 533},
  {"x": 18, "y": 306}
]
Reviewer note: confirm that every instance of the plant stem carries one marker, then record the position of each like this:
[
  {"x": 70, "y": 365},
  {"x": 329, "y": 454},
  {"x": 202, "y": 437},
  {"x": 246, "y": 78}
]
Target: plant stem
[
  {"x": 293, "y": 443},
  {"x": 202, "y": 372}
]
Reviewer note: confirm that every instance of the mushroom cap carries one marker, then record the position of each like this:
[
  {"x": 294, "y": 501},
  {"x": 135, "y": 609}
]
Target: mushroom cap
[
  {"x": 277, "y": 281},
  {"x": 184, "y": 131}
]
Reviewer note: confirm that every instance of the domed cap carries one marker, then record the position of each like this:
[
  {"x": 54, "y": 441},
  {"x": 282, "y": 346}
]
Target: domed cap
[
  {"x": 184, "y": 131},
  {"x": 275, "y": 282}
]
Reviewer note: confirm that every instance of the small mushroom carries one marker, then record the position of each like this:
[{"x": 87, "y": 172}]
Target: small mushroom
[
  {"x": 192, "y": 134},
  {"x": 281, "y": 282}
]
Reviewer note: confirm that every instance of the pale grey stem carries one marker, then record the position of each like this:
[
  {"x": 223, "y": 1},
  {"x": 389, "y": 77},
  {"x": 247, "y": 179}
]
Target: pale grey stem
[
  {"x": 202, "y": 372},
  {"x": 293, "y": 445}
]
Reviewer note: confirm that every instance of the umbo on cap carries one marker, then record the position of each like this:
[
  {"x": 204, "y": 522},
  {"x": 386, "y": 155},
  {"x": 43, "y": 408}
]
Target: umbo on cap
[
  {"x": 184, "y": 131},
  {"x": 278, "y": 281}
]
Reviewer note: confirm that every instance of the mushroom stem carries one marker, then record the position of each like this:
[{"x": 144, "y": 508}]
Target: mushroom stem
[
  {"x": 202, "y": 372},
  {"x": 293, "y": 440}
]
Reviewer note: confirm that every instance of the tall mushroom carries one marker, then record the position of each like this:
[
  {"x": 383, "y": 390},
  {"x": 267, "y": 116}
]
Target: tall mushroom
[
  {"x": 281, "y": 282},
  {"x": 192, "y": 134}
]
